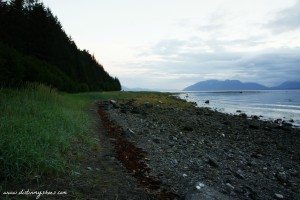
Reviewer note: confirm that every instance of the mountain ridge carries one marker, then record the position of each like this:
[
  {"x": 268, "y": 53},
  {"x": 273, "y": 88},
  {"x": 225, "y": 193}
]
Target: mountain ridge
[{"x": 213, "y": 85}]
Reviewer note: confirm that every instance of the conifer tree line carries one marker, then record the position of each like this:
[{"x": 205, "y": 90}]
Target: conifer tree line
[{"x": 35, "y": 48}]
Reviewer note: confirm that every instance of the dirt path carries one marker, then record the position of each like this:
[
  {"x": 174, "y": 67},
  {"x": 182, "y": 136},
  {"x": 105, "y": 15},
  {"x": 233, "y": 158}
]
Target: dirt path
[
  {"x": 95, "y": 174},
  {"x": 133, "y": 158},
  {"x": 99, "y": 174},
  {"x": 104, "y": 177}
]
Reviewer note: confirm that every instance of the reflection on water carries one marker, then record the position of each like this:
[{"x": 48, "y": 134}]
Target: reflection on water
[{"x": 269, "y": 104}]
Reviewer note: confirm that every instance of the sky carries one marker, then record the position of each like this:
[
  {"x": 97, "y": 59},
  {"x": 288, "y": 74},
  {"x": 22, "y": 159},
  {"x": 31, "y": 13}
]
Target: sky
[{"x": 171, "y": 44}]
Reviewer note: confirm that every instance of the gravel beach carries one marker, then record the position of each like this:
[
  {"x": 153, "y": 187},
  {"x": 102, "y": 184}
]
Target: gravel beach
[{"x": 198, "y": 153}]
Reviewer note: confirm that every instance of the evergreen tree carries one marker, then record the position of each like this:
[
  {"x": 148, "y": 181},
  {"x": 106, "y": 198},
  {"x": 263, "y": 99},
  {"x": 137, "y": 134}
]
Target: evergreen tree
[{"x": 32, "y": 36}]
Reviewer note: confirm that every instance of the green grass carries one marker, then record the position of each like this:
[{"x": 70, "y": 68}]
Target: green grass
[
  {"x": 41, "y": 129},
  {"x": 38, "y": 126},
  {"x": 156, "y": 98}
]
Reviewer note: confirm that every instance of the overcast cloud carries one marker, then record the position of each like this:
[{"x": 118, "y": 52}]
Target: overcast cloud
[
  {"x": 171, "y": 44},
  {"x": 287, "y": 19}
]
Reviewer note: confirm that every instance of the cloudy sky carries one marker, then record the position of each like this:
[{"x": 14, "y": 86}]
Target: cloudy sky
[{"x": 170, "y": 44}]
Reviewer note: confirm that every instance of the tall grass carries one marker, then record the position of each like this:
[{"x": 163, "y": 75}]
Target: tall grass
[
  {"x": 41, "y": 127},
  {"x": 37, "y": 128}
]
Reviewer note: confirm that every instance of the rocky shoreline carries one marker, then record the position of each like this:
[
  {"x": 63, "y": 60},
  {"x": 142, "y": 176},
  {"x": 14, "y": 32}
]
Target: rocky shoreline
[{"x": 203, "y": 154}]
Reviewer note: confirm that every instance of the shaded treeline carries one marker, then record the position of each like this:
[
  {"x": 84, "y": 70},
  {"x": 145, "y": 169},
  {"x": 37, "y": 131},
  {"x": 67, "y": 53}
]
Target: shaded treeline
[{"x": 35, "y": 48}]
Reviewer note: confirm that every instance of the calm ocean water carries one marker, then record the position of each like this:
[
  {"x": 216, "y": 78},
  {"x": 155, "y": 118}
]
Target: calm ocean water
[{"x": 269, "y": 104}]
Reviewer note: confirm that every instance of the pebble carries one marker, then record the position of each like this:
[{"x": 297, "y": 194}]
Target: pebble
[
  {"x": 174, "y": 162},
  {"x": 76, "y": 173},
  {"x": 89, "y": 168},
  {"x": 279, "y": 196},
  {"x": 212, "y": 162},
  {"x": 155, "y": 140},
  {"x": 281, "y": 177},
  {"x": 209, "y": 155},
  {"x": 199, "y": 185},
  {"x": 114, "y": 104},
  {"x": 239, "y": 174},
  {"x": 230, "y": 186}
]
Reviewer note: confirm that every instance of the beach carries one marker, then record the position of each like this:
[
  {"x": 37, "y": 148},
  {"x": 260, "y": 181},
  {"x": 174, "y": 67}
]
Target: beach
[{"x": 198, "y": 153}]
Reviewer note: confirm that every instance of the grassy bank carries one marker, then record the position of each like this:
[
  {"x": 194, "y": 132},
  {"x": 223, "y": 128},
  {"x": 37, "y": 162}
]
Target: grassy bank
[
  {"x": 40, "y": 129},
  {"x": 48, "y": 140},
  {"x": 38, "y": 126}
]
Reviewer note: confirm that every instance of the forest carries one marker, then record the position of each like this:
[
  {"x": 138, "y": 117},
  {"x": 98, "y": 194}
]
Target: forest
[{"x": 35, "y": 48}]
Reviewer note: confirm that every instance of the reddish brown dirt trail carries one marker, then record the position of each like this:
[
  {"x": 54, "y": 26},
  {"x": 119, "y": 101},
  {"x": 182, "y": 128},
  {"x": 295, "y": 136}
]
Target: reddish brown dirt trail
[{"x": 133, "y": 158}]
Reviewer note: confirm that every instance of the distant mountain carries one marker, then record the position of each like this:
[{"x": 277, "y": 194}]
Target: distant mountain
[
  {"x": 210, "y": 85},
  {"x": 288, "y": 85}
]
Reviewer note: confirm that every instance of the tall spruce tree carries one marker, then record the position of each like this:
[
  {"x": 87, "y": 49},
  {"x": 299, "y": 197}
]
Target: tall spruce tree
[{"x": 36, "y": 48}]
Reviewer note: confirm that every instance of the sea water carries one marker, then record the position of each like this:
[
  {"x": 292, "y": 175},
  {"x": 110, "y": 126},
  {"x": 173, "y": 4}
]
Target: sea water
[{"x": 269, "y": 104}]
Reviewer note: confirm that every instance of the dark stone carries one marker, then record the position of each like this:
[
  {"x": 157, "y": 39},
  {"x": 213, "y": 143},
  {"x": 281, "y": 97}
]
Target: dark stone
[
  {"x": 284, "y": 123},
  {"x": 194, "y": 166},
  {"x": 266, "y": 128},
  {"x": 239, "y": 174},
  {"x": 135, "y": 110},
  {"x": 208, "y": 114},
  {"x": 171, "y": 145},
  {"x": 207, "y": 102},
  {"x": 253, "y": 126},
  {"x": 226, "y": 123},
  {"x": 255, "y": 117},
  {"x": 148, "y": 105},
  {"x": 124, "y": 110},
  {"x": 238, "y": 111},
  {"x": 256, "y": 155},
  {"x": 187, "y": 128},
  {"x": 278, "y": 121},
  {"x": 212, "y": 162},
  {"x": 128, "y": 133},
  {"x": 243, "y": 115},
  {"x": 250, "y": 192},
  {"x": 155, "y": 140},
  {"x": 171, "y": 137},
  {"x": 281, "y": 177}
]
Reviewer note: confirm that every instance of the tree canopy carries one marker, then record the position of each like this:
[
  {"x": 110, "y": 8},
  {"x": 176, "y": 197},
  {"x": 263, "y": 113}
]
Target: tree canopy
[{"x": 35, "y": 48}]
